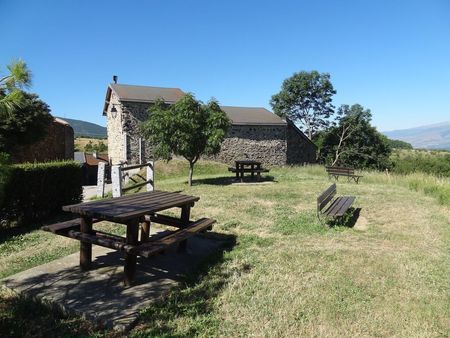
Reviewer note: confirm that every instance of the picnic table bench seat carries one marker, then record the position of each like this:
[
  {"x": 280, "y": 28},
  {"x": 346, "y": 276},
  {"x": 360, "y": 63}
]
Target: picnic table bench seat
[
  {"x": 343, "y": 171},
  {"x": 249, "y": 170},
  {"x": 154, "y": 245},
  {"x": 157, "y": 246},
  {"x": 329, "y": 206}
]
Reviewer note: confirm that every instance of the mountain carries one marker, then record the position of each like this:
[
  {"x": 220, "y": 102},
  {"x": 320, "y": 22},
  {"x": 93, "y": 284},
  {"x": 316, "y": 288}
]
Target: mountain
[
  {"x": 88, "y": 129},
  {"x": 434, "y": 136}
]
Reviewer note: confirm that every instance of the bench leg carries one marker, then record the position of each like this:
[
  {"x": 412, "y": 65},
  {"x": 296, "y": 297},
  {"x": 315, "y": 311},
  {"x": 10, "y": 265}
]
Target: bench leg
[
  {"x": 130, "y": 259},
  {"x": 185, "y": 215},
  {"x": 85, "y": 248}
]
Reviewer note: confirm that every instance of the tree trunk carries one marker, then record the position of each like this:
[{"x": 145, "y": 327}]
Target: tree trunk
[{"x": 191, "y": 172}]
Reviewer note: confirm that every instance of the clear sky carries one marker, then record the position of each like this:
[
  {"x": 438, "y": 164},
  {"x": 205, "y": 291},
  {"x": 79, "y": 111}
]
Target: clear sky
[{"x": 390, "y": 56}]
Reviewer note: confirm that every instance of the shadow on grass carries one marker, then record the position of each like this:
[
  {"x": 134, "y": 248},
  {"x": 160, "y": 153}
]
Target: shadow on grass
[
  {"x": 101, "y": 298},
  {"x": 22, "y": 316},
  {"x": 228, "y": 180},
  {"x": 348, "y": 220},
  {"x": 192, "y": 301},
  {"x": 7, "y": 232}
]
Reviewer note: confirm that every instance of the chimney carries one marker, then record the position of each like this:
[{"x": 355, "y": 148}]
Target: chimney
[{"x": 115, "y": 78}]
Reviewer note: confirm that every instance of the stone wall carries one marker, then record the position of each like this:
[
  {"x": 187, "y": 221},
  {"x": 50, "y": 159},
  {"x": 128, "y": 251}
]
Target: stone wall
[
  {"x": 115, "y": 131},
  {"x": 58, "y": 144},
  {"x": 299, "y": 149},
  {"x": 127, "y": 122},
  {"x": 136, "y": 145},
  {"x": 266, "y": 144},
  {"x": 272, "y": 145}
]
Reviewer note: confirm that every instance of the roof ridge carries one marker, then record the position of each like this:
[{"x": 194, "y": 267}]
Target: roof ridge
[
  {"x": 245, "y": 107},
  {"x": 130, "y": 85}
]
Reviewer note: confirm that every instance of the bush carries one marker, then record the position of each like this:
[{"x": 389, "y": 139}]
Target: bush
[
  {"x": 428, "y": 162},
  {"x": 33, "y": 192},
  {"x": 4, "y": 171}
]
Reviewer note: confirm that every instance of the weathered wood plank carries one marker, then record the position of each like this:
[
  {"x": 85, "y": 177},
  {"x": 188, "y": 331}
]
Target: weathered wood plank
[
  {"x": 158, "y": 246},
  {"x": 124, "y": 208}
]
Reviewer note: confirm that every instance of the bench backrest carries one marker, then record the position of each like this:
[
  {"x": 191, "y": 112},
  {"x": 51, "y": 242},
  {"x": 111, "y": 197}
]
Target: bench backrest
[
  {"x": 340, "y": 170},
  {"x": 325, "y": 197}
]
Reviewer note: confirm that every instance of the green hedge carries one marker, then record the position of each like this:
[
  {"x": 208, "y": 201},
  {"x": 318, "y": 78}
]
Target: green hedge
[{"x": 34, "y": 191}]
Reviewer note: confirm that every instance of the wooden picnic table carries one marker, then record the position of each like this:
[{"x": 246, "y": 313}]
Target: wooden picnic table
[
  {"x": 131, "y": 210},
  {"x": 247, "y": 166}
]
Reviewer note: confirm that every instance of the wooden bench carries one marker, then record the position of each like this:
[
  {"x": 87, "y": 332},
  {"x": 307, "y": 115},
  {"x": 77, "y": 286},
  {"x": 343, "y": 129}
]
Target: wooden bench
[
  {"x": 342, "y": 171},
  {"x": 156, "y": 244},
  {"x": 240, "y": 172},
  {"x": 329, "y": 206}
]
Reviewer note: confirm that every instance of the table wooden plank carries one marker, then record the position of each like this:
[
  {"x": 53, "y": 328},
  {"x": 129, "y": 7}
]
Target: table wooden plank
[{"x": 128, "y": 207}]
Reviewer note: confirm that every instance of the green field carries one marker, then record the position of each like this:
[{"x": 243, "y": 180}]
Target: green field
[{"x": 285, "y": 274}]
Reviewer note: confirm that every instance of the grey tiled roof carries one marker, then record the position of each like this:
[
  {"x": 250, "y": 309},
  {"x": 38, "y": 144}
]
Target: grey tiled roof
[
  {"x": 252, "y": 116},
  {"x": 146, "y": 93}
]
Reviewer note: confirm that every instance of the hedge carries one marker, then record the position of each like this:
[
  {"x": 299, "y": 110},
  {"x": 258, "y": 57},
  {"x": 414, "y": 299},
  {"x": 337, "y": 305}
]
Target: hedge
[{"x": 35, "y": 191}]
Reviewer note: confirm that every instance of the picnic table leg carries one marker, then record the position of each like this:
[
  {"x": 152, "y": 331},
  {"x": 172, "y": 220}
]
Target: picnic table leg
[
  {"x": 145, "y": 229},
  {"x": 185, "y": 215},
  {"x": 253, "y": 171},
  {"x": 130, "y": 258},
  {"x": 85, "y": 248}
]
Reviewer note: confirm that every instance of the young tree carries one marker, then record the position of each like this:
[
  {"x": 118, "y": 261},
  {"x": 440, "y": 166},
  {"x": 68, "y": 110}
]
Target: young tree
[
  {"x": 25, "y": 124},
  {"x": 353, "y": 142},
  {"x": 187, "y": 128},
  {"x": 11, "y": 95},
  {"x": 305, "y": 98}
]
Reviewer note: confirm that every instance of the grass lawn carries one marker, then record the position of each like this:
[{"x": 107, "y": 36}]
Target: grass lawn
[{"x": 286, "y": 274}]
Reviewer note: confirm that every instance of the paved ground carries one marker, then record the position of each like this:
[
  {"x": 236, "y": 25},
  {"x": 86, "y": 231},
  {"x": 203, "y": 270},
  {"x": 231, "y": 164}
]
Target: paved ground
[
  {"x": 99, "y": 294},
  {"x": 90, "y": 191}
]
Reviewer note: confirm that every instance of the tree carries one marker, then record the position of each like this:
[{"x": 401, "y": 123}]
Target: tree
[
  {"x": 353, "y": 142},
  {"x": 11, "y": 95},
  {"x": 305, "y": 98},
  {"x": 187, "y": 128},
  {"x": 99, "y": 147},
  {"x": 25, "y": 124},
  {"x": 398, "y": 144}
]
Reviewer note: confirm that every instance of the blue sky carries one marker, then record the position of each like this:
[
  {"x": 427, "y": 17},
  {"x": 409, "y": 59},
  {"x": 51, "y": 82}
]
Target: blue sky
[{"x": 390, "y": 56}]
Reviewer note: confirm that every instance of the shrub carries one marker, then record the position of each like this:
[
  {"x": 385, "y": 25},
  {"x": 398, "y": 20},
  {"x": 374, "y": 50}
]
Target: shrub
[
  {"x": 422, "y": 161},
  {"x": 35, "y": 191},
  {"x": 4, "y": 171}
]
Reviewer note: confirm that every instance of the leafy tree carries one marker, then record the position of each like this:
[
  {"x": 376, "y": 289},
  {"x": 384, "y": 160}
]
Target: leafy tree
[
  {"x": 353, "y": 142},
  {"x": 11, "y": 95},
  {"x": 187, "y": 128},
  {"x": 398, "y": 144},
  {"x": 99, "y": 147},
  {"x": 24, "y": 124},
  {"x": 305, "y": 98}
]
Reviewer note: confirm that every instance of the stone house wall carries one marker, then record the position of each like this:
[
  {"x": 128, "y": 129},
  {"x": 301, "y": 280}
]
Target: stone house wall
[
  {"x": 115, "y": 131},
  {"x": 266, "y": 144},
  {"x": 270, "y": 144},
  {"x": 126, "y": 124},
  {"x": 299, "y": 149},
  {"x": 58, "y": 144}
]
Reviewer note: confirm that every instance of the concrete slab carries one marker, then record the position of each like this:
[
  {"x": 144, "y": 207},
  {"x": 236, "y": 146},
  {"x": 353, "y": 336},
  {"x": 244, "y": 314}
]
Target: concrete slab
[{"x": 99, "y": 294}]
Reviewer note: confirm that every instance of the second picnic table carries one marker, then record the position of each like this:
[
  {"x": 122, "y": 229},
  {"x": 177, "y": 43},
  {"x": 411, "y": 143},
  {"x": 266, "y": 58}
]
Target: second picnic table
[
  {"x": 247, "y": 166},
  {"x": 131, "y": 210}
]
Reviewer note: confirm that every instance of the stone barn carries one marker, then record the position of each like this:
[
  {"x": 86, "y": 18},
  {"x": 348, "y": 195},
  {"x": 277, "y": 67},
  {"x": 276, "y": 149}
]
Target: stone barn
[{"x": 256, "y": 133}]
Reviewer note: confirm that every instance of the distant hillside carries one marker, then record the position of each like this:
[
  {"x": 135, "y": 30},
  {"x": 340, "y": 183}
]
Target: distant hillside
[
  {"x": 83, "y": 128},
  {"x": 435, "y": 136}
]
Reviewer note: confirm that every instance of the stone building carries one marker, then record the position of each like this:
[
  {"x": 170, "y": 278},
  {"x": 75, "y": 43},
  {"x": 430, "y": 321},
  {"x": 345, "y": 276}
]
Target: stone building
[
  {"x": 255, "y": 133},
  {"x": 58, "y": 144}
]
